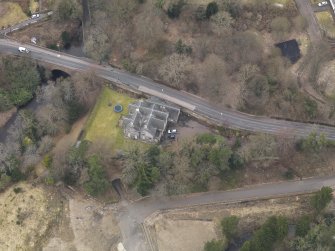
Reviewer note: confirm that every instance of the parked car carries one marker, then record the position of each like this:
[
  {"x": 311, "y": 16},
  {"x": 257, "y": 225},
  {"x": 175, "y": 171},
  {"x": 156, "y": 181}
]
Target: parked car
[
  {"x": 172, "y": 131},
  {"x": 323, "y": 3},
  {"x": 36, "y": 15},
  {"x": 23, "y": 49}
]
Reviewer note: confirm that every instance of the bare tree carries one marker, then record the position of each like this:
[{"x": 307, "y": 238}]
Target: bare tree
[{"x": 174, "y": 68}]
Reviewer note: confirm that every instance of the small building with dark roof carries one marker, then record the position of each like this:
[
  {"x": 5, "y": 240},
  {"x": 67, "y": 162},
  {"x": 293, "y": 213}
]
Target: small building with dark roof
[{"x": 290, "y": 49}]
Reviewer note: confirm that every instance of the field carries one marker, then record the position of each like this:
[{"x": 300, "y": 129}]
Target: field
[
  {"x": 27, "y": 214},
  {"x": 103, "y": 123},
  {"x": 326, "y": 23},
  {"x": 10, "y": 13}
]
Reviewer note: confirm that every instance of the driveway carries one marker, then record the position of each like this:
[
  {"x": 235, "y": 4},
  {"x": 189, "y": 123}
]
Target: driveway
[
  {"x": 132, "y": 215},
  {"x": 306, "y": 10}
]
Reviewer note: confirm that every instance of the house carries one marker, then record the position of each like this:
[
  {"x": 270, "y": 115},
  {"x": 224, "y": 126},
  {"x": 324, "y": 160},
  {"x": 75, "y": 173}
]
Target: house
[{"x": 147, "y": 119}]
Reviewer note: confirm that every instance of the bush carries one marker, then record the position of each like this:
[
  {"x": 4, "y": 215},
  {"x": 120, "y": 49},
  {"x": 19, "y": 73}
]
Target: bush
[
  {"x": 321, "y": 199},
  {"x": 206, "y": 138},
  {"x": 182, "y": 48},
  {"x": 235, "y": 161},
  {"x": 212, "y": 9},
  {"x": 229, "y": 226},
  {"x": 311, "y": 107},
  {"x": 200, "y": 13},
  {"x": 215, "y": 245},
  {"x": 174, "y": 10},
  {"x": 47, "y": 161},
  {"x": 303, "y": 226},
  {"x": 17, "y": 190}
]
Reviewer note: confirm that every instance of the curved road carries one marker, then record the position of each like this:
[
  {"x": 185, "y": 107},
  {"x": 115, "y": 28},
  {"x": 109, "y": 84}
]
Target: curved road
[
  {"x": 194, "y": 104},
  {"x": 132, "y": 215}
]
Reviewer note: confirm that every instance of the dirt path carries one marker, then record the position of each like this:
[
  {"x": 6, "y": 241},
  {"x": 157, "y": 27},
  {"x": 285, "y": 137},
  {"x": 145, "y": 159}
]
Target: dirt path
[
  {"x": 71, "y": 138},
  {"x": 307, "y": 12}
]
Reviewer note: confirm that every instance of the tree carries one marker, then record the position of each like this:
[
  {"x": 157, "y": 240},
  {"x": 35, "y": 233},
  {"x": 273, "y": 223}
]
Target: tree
[
  {"x": 68, "y": 9},
  {"x": 313, "y": 143},
  {"x": 280, "y": 25},
  {"x": 97, "y": 184},
  {"x": 174, "y": 69},
  {"x": 22, "y": 77},
  {"x": 274, "y": 229},
  {"x": 241, "y": 48},
  {"x": 321, "y": 199},
  {"x": 256, "y": 92},
  {"x": 229, "y": 226},
  {"x": 212, "y": 8},
  {"x": 215, "y": 245}
]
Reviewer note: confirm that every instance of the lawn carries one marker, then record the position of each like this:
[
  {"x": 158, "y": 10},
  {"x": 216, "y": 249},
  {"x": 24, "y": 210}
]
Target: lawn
[
  {"x": 326, "y": 23},
  {"x": 103, "y": 123},
  {"x": 11, "y": 13}
]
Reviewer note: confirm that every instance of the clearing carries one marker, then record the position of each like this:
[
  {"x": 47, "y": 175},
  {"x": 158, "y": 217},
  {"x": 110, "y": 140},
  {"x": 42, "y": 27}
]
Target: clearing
[
  {"x": 27, "y": 215},
  {"x": 10, "y": 14},
  {"x": 86, "y": 226},
  {"x": 190, "y": 228},
  {"x": 103, "y": 123}
]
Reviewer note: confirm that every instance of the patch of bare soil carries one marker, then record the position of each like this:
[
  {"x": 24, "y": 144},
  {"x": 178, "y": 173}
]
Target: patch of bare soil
[
  {"x": 27, "y": 215},
  {"x": 190, "y": 129},
  {"x": 193, "y": 234},
  {"x": 5, "y": 116},
  {"x": 189, "y": 229},
  {"x": 87, "y": 227}
]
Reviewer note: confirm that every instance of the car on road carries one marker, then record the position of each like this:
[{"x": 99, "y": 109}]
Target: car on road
[
  {"x": 23, "y": 49},
  {"x": 36, "y": 15},
  {"x": 323, "y": 3}
]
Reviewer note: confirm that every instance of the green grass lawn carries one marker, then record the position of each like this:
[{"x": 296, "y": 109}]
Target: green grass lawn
[
  {"x": 103, "y": 123},
  {"x": 326, "y": 23}
]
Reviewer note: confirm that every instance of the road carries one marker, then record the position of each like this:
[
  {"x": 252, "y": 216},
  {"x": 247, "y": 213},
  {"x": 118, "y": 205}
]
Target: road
[
  {"x": 131, "y": 215},
  {"x": 307, "y": 12},
  {"x": 24, "y": 23},
  {"x": 194, "y": 104}
]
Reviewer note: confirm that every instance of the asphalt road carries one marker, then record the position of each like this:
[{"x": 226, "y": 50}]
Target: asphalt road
[
  {"x": 197, "y": 105},
  {"x": 131, "y": 215},
  {"x": 23, "y": 24}
]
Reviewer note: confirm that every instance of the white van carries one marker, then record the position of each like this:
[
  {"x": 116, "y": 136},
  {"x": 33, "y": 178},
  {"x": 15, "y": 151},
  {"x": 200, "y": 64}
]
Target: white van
[{"x": 23, "y": 49}]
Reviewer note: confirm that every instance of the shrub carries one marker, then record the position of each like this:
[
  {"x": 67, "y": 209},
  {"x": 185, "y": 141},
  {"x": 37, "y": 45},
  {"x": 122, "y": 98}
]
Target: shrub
[
  {"x": 303, "y": 226},
  {"x": 215, "y": 245},
  {"x": 17, "y": 190},
  {"x": 182, "y": 48},
  {"x": 321, "y": 199},
  {"x": 174, "y": 10},
  {"x": 229, "y": 226},
  {"x": 47, "y": 161},
  {"x": 206, "y": 138},
  {"x": 212, "y": 9}
]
